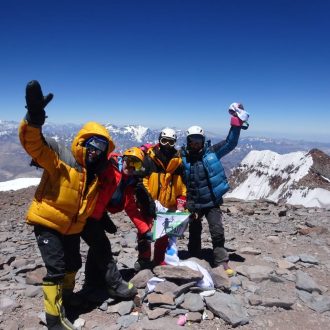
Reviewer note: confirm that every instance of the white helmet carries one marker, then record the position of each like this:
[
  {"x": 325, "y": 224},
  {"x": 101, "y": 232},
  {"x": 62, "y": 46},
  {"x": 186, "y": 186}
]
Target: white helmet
[
  {"x": 195, "y": 130},
  {"x": 168, "y": 133}
]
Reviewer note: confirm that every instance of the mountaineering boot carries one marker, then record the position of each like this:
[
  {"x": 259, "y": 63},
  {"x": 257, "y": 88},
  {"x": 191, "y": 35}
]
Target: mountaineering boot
[
  {"x": 142, "y": 264},
  {"x": 55, "y": 313},
  {"x": 117, "y": 287},
  {"x": 124, "y": 291}
]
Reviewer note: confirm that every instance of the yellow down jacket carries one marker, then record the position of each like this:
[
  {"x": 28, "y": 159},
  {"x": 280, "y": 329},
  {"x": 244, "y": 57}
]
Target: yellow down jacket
[
  {"x": 164, "y": 184},
  {"x": 62, "y": 201}
]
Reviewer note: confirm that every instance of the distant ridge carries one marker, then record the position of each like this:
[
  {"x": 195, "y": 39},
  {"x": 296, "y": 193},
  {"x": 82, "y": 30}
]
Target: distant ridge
[{"x": 14, "y": 162}]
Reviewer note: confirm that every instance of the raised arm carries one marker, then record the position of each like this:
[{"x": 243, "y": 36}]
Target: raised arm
[
  {"x": 30, "y": 134},
  {"x": 238, "y": 121}
]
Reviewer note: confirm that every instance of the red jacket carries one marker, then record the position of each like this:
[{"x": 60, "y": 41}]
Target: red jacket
[{"x": 110, "y": 180}]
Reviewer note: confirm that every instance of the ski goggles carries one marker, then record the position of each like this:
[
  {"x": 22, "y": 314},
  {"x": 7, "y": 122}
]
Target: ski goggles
[
  {"x": 96, "y": 144},
  {"x": 133, "y": 162},
  {"x": 164, "y": 141}
]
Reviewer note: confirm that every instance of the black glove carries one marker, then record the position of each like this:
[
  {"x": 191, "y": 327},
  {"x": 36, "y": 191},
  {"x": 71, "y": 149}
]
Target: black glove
[
  {"x": 107, "y": 224},
  {"x": 36, "y": 103},
  {"x": 145, "y": 201}
]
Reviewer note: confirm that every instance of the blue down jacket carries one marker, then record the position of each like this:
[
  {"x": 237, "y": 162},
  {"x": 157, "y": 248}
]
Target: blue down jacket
[{"x": 204, "y": 174}]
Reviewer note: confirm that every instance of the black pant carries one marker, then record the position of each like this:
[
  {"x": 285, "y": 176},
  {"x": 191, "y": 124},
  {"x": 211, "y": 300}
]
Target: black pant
[
  {"x": 60, "y": 253},
  {"x": 214, "y": 218},
  {"x": 100, "y": 267}
]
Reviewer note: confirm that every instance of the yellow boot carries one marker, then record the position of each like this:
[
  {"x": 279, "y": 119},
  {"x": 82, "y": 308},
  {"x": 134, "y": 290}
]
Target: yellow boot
[{"x": 55, "y": 314}]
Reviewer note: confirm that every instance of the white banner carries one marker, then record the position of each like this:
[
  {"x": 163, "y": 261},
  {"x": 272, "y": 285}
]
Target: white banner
[{"x": 170, "y": 223}]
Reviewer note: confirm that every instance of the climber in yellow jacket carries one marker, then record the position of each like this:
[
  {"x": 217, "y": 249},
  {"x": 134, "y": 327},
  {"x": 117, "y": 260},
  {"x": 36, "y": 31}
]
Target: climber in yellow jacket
[
  {"x": 163, "y": 181},
  {"x": 64, "y": 199}
]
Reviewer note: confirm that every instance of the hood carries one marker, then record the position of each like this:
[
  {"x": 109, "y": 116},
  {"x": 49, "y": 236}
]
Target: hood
[{"x": 89, "y": 129}]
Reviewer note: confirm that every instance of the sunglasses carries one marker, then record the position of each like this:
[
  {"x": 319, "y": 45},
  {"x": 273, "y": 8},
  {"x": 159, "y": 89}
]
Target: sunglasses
[
  {"x": 132, "y": 162},
  {"x": 165, "y": 141},
  {"x": 96, "y": 143}
]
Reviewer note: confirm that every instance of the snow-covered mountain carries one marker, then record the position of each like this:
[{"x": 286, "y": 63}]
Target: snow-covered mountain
[{"x": 295, "y": 178}]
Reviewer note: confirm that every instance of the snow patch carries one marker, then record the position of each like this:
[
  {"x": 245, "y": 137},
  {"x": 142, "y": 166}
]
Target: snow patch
[
  {"x": 317, "y": 197},
  {"x": 17, "y": 184}
]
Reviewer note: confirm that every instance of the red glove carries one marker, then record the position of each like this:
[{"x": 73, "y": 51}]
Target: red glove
[
  {"x": 235, "y": 121},
  {"x": 239, "y": 115},
  {"x": 181, "y": 202}
]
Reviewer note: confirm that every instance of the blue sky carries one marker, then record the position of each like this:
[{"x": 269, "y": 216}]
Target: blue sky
[{"x": 172, "y": 63}]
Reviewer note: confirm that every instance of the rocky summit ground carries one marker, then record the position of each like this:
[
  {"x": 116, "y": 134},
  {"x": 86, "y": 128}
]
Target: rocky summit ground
[{"x": 280, "y": 252}]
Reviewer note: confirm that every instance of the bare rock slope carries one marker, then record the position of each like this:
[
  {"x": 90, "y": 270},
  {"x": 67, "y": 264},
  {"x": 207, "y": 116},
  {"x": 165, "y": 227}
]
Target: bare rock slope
[{"x": 280, "y": 252}]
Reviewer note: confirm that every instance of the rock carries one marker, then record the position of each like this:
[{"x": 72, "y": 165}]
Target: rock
[
  {"x": 126, "y": 320},
  {"x": 178, "y": 273},
  {"x": 308, "y": 259},
  {"x": 284, "y": 264},
  {"x": 194, "y": 317},
  {"x": 122, "y": 308},
  {"x": 207, "y": 315},
  {"x": 315, "y": 301},
  {"x": 282, "y": 212},
  {"x": 220, "y": 278},
  {"x": 79, "y": 323},
  {"x": 156, "y": 299},
  {"x": 130, "y": 239},
  {"x": 193, "y": 302},
  {"x": 255, "y": 300},
  {"x": 156, "y": 313},
  {"x": 6, "y": 260},
  {"x": 141, "y": 279},
  {"x": 116, "y": 249},
  {"x": 183, "y": 288},
  {"x": 164, "y": 323},
  {"x": 7, "y": 304},
  {"x": 179, "y": 300},
  {"x": 250, "y": 250},
  {"x": 166, "y": 286},
  {"x": 293, "y": 259},
  {"x": 314, "y": 230},
  {"x": 178, "y": 311},
  {"x": 203, "y": 263},
  {"x": 255, "y": 273},
  {"x": 274, "y": 239},
  {"x": 228, "y": 308},
  {"x": 306, "y": 283},
  {"x": 12, "y": 325},
  {"x": 32, "y": 291},
  {"x": 36, "y": 276},
  {"x": 250, "y": 286},
  {"x": 284, "y": 302}
]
